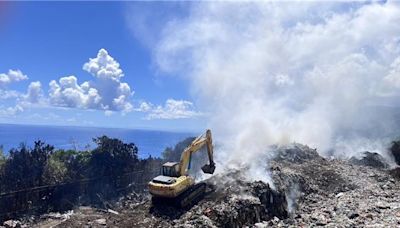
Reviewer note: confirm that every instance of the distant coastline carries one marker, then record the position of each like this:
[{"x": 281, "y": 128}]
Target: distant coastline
[{"x": 149, "y": 142}]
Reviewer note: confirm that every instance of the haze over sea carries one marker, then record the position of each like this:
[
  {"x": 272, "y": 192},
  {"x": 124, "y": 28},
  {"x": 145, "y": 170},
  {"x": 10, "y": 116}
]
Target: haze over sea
[{"x": 149, "y": 142}]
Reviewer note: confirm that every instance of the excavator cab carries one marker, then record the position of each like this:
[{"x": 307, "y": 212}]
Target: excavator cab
[{"x": 170, "y": 169}]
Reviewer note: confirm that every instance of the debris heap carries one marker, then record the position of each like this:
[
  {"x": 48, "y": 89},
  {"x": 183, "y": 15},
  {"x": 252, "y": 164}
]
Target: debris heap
[{"x": 307, "y": 190}]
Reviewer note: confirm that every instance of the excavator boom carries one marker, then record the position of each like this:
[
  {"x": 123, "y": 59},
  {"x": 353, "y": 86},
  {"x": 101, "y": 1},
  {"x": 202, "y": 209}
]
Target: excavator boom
[{"x": 195, "y": 146}]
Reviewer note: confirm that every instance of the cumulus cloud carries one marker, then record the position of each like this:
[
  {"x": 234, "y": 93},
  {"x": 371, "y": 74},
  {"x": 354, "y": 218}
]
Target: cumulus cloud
[
  {"x": 10, "y": 111},
  {"x": 34, "y": 93},
  {"x": 105, "y": 92},
  {"x": 67, "y": 93},
  {"x": 8, "y": 94},
  {"x": 12, "y": 76},
  {"x": 172, "y": 109},
  {"x": 104, "y": 66},
  {"x": 280, "y": 72}
]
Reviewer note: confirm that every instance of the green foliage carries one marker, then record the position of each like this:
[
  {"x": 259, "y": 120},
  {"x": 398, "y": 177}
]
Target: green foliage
[
  {"x": 42, "y": 165},
  {"x": 2, "y": 157},
  {"x": 112, "y": 157},
  {"x": 174, "y": 154},
  {"x": 68, "y": 177},
  {"x": 197, "y": 160},
  {"x": 25, "y": 167},
  {"x": 55, "y": 171}
]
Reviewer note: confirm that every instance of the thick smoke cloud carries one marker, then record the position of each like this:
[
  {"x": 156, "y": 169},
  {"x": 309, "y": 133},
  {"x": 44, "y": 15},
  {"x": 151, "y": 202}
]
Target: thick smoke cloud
[{"x": 275, "y": 73}]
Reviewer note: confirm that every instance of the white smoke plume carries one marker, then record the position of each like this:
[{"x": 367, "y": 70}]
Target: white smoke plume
[{"x": 280, "y": 72}]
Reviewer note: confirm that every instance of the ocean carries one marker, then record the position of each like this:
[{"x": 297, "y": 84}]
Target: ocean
[{"x": 149, "y": 142}]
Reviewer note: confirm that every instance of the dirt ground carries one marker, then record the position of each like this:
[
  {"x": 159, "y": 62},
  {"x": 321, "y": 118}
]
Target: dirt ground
[{"x": 308, "y": 191}]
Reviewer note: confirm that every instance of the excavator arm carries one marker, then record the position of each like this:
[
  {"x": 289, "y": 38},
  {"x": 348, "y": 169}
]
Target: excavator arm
[{"x": 195, "y": 146}]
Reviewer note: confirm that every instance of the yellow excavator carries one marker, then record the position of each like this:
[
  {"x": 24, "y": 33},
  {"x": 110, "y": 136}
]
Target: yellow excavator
[{"x": 175, "y": 186}]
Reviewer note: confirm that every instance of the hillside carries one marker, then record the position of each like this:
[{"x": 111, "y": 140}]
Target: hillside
[{"x": 308, "y": 191}]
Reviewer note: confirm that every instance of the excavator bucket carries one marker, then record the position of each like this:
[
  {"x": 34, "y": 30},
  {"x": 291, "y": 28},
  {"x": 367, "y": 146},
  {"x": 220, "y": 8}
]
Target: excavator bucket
[{"x": 208, "y": 168}]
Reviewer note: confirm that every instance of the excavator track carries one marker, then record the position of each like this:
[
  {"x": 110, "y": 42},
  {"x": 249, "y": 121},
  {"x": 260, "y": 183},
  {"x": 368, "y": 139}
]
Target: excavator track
[
  {"x": 191, "y": 196},
  {"x": 188, "y": 198}
]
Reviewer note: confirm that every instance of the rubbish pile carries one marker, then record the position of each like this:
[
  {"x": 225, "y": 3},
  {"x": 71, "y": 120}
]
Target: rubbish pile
[{"x": 307, "y": 190}]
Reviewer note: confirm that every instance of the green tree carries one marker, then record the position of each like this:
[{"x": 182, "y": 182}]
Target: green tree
[
  {"x": 2, "y": 156},
  {"x": 112, "y": 157},
  {"x": 67, "y": 165},
  {"x": 25, "y": 167},
  {"x": 174, "y": 154}
]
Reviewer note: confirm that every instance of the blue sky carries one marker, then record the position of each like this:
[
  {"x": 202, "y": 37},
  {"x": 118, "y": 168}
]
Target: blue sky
[
  {"x": 256, "y": 73},
  {"x": 48, "y": 41}
]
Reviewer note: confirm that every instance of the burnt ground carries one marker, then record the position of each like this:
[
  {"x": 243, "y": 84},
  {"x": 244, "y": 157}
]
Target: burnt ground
[{"x": 308, "y": 191}]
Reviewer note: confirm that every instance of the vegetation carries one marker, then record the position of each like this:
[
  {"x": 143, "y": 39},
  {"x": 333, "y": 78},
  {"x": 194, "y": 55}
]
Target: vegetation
[
  {"x": 198, "y": 159},
  {"x": 174, "y": 154},
  {"x": 42, "y": 178},
  {"x": 43, "y": 165}
]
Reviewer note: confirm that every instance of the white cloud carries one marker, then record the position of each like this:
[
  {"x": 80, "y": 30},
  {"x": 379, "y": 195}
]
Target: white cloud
[
  {"x": 172, "y": 109},
  {"x": 34, "y": 93},
  {"x": 104, "y": 66},
  {"x": 10, "y": 111},
  {"x": 9, "y": 94},
  {"x": 145, "y": 107},
  {"x": 105, "y": 92},
  {"x": 67, "y": 93},
  {"x": 12, "y": 76},
  {"x": 331, "y": 58}
]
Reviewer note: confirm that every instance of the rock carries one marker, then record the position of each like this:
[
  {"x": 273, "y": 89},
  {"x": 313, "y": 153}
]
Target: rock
[
  {"x": 395, "y": 172},
  {"x": 295, "y": 153},
  {"x": 339, "y": 194},
  {"x": 395, "y": 149},
  {"x": 12, "y": 224},
  {"x": 262, "y": 225},
  {"x": 274, "y": 200},
  {"x": 321, "y": 223},
  {"x": 101, "y": 221},
  {"x": 382, "y": 206},
  {"x": 369, "y": 216},
  {"x": 371, "y": 159},
  {"x": 353, "y": 215},
  {"x": 113, "y": 212}
]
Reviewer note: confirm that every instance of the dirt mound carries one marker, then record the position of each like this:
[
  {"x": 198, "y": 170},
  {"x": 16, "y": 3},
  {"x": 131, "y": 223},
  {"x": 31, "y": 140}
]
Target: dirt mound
[
  {"x": 307, "y": 191},
  {"x": 337, "y": 193},
  {"x": 295, "y": 153},
  {"x": 231, "y": 201},
  {"x": 372, "y": 159}
]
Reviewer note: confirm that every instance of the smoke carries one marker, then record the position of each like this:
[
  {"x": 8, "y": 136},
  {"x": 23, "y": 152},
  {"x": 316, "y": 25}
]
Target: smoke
[{"x": 325, "y": 75}]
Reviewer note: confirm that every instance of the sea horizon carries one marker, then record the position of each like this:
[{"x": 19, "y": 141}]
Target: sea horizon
[{"x": 150, "y": 142}]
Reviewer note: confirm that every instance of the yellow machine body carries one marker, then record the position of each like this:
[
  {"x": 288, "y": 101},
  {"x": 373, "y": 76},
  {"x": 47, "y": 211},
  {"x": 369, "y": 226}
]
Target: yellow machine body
[{"x": 172, "y": 190}]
